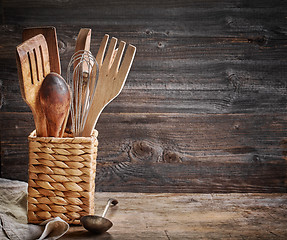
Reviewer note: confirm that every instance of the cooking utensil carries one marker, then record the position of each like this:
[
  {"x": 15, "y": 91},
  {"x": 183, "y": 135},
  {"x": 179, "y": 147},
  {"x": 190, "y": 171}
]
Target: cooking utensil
[
  {"x": 33, "y": 65},
  {"x": 82, "y": 44},
  {"x": 55, "y": 99},
  {"x": 111, "y": 80},
  {"x": 83, "y": 87},
  {"x": 98, "y": 224},
  {"x": 50, "y": 35}
]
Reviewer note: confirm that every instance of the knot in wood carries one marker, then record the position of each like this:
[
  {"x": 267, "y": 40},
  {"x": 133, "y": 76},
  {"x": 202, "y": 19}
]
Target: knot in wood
[
  {"x": 145, "y": 151},
  {"x": 171, "y": 157},
  {"x": 260, "y": 41},
  {"x": 62, "y": 46}
]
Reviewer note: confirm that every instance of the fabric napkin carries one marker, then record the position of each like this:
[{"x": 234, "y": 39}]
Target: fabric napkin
[{"x": 13, "y": 216}]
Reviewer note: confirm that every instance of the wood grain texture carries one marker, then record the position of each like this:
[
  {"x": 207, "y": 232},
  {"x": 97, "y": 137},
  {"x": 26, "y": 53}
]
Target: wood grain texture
[
  {"x": 173, "y": 153},
  {"x": 203, "y": 108},
  {"x": 205, "y": 81},
  {"x": 191, "y": 216}
]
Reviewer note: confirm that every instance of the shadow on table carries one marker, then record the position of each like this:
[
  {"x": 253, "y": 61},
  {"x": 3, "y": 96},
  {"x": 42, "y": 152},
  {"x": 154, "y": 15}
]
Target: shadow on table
[{"x": 83, "y": 234}]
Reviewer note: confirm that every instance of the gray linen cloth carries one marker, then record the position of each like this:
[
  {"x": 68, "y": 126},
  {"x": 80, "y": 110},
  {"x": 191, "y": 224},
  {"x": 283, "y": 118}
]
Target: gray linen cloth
[{"x": 13, "y": 216}]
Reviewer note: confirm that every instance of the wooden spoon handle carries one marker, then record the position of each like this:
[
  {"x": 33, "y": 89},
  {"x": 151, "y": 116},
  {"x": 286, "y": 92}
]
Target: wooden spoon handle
[{"x": 40, "y": 121}]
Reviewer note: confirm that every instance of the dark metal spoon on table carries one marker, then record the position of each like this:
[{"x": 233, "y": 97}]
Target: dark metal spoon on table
[{"x": 98, "y": 224}]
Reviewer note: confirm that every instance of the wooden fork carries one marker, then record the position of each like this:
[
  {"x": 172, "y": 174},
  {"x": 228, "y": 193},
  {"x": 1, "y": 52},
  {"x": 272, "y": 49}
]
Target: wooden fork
[
  {"x": 112, "y": 77},
  {"x": 33, "y": 65}
]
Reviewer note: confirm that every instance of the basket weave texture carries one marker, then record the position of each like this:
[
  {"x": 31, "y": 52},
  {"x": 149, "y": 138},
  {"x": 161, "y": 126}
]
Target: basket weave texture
[{"x": 61, "y": 177}]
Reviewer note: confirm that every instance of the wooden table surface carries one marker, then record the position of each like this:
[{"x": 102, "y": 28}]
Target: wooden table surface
[{"x": 191, "y": 216}]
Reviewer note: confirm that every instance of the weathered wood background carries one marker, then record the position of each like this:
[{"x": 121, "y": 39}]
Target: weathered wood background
[{"x": 203, "y": 108}]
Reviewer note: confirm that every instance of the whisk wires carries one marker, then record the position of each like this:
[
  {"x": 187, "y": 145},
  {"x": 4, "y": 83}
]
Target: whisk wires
[{"x": 82, "y": 81}]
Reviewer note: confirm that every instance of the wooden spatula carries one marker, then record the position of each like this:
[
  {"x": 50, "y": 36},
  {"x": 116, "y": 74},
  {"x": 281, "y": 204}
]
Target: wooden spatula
[
  {"x": 33, "y": 65},
  {"x": 50, "y": 35},
  {"x": 83, "y": 43},
  {"x": 112, "y": 77}
]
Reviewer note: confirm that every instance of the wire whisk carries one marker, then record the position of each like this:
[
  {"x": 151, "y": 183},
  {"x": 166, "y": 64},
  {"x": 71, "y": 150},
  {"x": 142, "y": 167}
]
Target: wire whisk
[{"x": 82, "y": 79}]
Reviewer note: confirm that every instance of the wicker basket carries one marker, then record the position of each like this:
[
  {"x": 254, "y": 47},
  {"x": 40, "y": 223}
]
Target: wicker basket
[{"x": 61, "y": 177}]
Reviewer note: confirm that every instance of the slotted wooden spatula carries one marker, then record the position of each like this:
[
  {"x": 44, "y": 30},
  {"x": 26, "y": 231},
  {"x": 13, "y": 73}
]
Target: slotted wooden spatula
[
  {"x": 49, "y": 32},
  {"x": 33, "y": 65},
  {"x": 112, "y": 77}
]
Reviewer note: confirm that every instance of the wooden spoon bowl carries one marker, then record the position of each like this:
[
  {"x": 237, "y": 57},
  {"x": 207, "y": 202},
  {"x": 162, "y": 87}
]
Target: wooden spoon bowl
[{"x": 55, "y": 100}]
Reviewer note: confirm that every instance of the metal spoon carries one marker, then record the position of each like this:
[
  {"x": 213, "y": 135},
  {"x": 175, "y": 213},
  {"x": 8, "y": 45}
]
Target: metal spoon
[{"x": 98, "y": 224}]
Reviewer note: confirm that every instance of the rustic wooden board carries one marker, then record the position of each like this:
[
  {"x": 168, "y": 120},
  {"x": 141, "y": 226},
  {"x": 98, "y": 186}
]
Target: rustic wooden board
[
  {"x": 204, "y": 106},
  {"x": 191, "y": 216},
  {"x": 174, "y": 11},
  {"x": 226, "y": 87},
  {"x": 173, "y": 152}
]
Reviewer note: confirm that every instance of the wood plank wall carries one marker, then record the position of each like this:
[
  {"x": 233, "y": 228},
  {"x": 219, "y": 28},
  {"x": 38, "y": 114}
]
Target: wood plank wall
[{"x": 204, "y": 106}]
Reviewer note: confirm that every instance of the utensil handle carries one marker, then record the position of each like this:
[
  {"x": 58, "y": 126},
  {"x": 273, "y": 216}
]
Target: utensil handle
[{"x": 110, "y": 201}]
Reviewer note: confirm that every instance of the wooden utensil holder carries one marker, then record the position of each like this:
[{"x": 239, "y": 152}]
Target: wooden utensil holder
[{"x": 61, "y": 177}]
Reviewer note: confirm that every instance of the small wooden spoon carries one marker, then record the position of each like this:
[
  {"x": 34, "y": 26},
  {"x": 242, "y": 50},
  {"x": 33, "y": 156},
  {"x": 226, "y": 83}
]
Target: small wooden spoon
[{"x": 55, "y": 100}]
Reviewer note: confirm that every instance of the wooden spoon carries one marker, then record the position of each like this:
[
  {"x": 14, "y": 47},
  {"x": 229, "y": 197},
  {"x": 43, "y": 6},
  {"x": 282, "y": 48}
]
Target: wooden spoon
[
  {"x": 55, "y": 100},
  {"x": 33, "y": 65}
]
